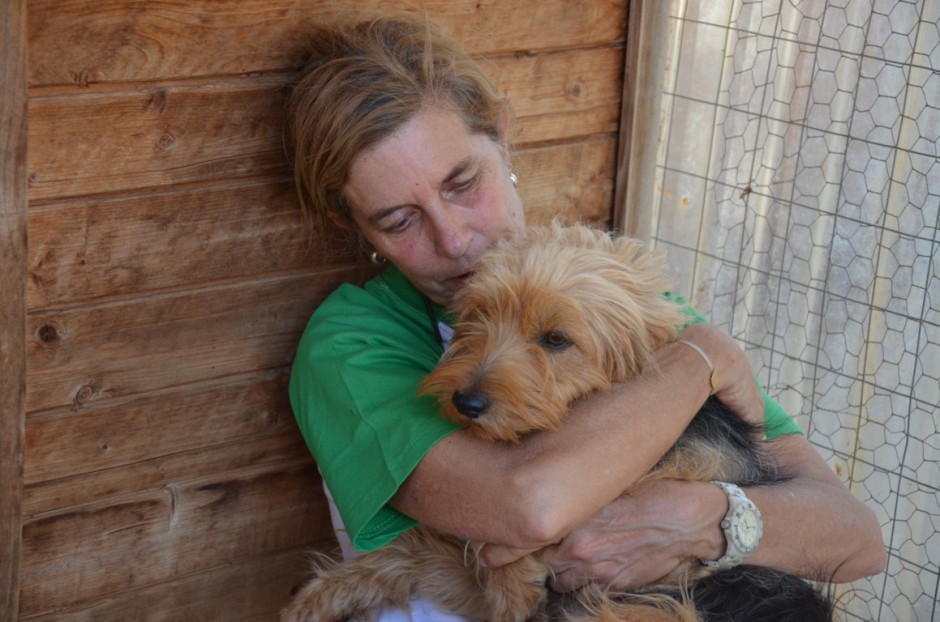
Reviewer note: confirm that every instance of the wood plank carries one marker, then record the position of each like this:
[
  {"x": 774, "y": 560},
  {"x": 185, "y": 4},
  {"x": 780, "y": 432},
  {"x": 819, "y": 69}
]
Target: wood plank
[
  {"x": 189, "y": 132},
  {"x": 105, "y": 548},
  {"x": 184, "y": 38},
  {"x": 572, "y": 181},
  {"x": 87, "y": 249},
  {"x": 69, "y": 444},
  {"x": 562, "y": 96},
  {"x": 490, "y": 28},
  {"x": 251, "y": 591},
  {"x": 83, "y": 355},
  {"x": 13, "y": 141},
  {"x": 154, "y": 136},
  {"x": 158, "y": 472}
]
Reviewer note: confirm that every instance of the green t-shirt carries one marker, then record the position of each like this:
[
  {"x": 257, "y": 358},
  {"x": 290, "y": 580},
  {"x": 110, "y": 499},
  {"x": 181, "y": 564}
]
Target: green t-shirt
[{"x": 353, "y": 390}]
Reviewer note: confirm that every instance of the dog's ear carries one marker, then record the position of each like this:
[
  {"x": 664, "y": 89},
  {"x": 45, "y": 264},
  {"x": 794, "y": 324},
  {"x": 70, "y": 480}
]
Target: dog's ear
[{"x": 645, "y": 281}]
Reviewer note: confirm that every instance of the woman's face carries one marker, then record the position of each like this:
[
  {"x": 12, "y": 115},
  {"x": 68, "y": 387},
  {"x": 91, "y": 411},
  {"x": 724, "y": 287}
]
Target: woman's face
[{"x": 432, "y": 198}]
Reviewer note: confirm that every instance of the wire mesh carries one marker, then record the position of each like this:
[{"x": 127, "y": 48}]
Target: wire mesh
[{"x": 799, "y": 200}]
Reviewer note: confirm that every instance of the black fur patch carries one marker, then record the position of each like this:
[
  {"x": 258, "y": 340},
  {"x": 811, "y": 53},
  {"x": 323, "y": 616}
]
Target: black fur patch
[{"x": 756, "y": 594}]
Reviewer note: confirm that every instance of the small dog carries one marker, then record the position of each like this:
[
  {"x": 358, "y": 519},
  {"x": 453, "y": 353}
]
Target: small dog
[{"x": 545, "y": 320}]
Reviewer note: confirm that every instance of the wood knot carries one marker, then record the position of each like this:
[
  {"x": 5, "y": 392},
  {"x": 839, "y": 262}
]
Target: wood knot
[
  {"x": 157, "y": 100},
  {"x": 89, "y": 393},
  {"x": 84, "y": 78},
  {"x": 166, "y": 141},
  {"x": 47, "y": 333}
]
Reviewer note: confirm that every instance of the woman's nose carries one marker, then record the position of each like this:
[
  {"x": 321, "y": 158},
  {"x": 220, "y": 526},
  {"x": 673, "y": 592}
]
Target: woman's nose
[{"x": 453, "y": 233}]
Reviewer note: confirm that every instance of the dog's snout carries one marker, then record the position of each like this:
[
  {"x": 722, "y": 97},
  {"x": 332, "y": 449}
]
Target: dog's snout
[{"x": 470, "y": 405}]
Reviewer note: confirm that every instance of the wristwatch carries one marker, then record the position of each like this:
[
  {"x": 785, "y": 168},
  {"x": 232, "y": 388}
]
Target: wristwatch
[{"x": 742, "y": 525}]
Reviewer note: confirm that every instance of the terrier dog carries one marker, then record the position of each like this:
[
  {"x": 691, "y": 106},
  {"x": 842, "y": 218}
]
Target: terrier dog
[{"x": 546, "y": 320}]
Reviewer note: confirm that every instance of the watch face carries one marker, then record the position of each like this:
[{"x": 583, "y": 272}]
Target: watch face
[{"x": 748, "y": 527}]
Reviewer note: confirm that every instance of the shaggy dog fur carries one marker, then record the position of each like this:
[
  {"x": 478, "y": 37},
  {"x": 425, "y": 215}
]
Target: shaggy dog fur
[{"x": 544, "y": 321}]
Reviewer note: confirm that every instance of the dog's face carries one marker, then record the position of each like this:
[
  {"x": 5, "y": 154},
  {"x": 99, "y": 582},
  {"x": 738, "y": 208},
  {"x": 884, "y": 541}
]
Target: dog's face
[{"x": 546, "y": 320}]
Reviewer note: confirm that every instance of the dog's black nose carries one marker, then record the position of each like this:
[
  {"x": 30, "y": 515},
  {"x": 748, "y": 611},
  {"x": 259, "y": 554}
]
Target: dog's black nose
[{"x": 471, "y": 406}]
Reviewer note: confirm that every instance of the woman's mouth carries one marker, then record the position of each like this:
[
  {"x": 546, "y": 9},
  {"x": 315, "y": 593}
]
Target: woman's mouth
[{"x": 460, "y": 279}]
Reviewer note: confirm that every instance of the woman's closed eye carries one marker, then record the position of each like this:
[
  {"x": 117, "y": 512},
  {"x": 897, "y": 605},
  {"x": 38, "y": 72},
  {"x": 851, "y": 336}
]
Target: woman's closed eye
[
  {"x": 399, "y": 221},
  {"x": 463, "y": 185}
]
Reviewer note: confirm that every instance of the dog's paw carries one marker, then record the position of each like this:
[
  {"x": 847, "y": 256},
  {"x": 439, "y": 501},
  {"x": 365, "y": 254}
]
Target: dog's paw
[{"x": 517, "y": 592}]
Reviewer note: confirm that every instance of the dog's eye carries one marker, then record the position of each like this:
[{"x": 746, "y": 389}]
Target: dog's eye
[{"x": 555, "y": 340}]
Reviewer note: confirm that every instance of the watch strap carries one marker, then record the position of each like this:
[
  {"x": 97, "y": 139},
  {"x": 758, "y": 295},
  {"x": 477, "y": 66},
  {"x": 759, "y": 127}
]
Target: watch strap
[{"x": 735, "y": 550}]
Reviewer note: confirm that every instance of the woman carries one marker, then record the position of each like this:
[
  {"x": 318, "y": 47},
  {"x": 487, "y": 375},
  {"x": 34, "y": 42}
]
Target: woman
[{"x": 401, "y": 142}]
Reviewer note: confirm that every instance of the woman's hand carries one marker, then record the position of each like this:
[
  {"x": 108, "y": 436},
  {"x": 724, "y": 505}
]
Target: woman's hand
[
  {"x": 637, "y": 539},
  {"x": 736, "y": 387},
  {"x": 641, "y": 538}
]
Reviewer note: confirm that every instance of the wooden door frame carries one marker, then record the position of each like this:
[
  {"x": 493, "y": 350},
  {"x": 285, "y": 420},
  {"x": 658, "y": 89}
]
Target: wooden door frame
[
  {"x": 13, "y": 262},
  {"x": 644, "y": 66}
]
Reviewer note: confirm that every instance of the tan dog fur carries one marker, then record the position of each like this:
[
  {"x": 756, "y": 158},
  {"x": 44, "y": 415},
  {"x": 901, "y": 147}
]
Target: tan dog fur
[{"x": 544, "y": 321}]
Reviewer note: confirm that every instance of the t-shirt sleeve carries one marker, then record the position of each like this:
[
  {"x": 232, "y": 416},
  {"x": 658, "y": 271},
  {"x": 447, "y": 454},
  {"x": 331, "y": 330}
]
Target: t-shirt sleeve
[
  {"x": 776, "y": 420},
  {"x": 353, "y": 390}
]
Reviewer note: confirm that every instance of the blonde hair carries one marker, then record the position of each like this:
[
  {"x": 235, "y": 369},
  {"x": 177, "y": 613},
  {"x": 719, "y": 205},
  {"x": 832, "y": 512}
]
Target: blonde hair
[{"x": 362, "y": 82}]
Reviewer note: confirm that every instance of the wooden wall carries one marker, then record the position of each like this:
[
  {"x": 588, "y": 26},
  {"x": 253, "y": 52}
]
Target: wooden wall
[{"x": 152, "y": 470}]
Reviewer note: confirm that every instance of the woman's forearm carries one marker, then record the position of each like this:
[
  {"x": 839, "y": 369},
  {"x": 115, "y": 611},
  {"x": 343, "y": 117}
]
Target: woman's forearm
[
  {"x": 813, "y": 525},
  {"x": 608, "y": 442}
]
